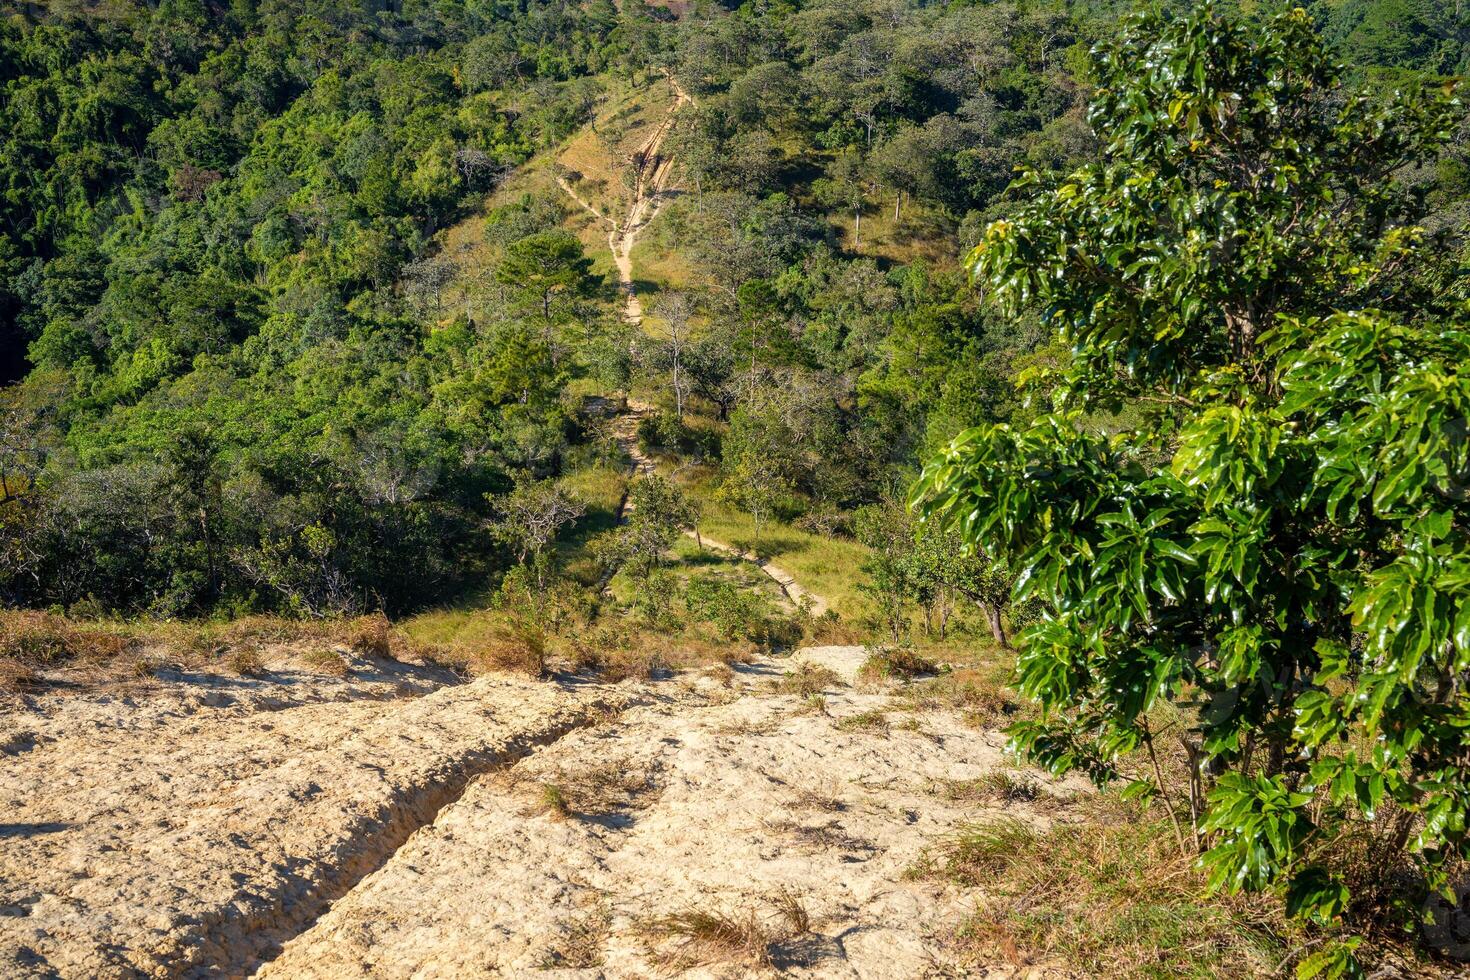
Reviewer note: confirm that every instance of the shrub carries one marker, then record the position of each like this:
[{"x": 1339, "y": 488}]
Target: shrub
[
  {"x": 327, "y": 662},
  {"x": 15, "y": 676},
  {"x": 521, "y": 652},
  {"x": 896, "y": 663},
  {"x": 371, "y": 635},
  {"x": 738, "y": 613},
  {"x": 864, "y": 721},
  {"x": 245, "y": 662},
  {"x": 808, "y": 679}
]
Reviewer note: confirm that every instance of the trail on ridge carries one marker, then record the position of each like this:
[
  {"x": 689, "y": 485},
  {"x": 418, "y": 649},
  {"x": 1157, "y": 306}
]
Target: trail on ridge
[
  {"x": 625, "y": 431},
  {"x": 653, "y": 173}
]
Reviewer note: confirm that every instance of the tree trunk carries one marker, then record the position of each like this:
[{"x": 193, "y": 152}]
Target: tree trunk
[{"x": 997, "y": 630}]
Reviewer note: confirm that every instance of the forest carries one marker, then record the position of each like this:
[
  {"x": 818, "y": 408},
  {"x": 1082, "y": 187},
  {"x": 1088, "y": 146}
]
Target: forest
[{"x": 1125, "y": 342}]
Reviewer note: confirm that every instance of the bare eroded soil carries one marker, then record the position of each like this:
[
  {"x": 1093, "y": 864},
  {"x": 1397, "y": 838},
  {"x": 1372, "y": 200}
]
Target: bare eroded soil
[{"x": 392, "y": 824}]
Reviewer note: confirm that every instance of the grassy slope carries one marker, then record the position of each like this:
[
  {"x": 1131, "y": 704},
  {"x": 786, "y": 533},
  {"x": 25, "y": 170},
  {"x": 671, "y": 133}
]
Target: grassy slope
[{"x": 597, "y": 156}]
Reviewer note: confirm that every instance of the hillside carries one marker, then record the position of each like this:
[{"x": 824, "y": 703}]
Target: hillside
[{"x": 835, "y": 488}]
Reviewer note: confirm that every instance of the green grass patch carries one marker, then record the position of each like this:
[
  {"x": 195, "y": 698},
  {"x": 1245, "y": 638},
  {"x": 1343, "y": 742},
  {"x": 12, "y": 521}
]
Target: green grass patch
[{"x": 828, "y": 567}]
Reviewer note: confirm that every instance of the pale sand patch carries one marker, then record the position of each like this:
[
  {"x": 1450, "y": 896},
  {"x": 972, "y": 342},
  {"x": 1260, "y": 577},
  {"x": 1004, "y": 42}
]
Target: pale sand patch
[
  {"x": 200, "y": 840},
  {"x": 694, "y": 802},
  {"x": 844, "y": 661}
]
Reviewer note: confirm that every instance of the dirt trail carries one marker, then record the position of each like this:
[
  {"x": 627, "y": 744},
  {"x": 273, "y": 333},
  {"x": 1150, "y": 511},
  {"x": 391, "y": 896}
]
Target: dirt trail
[
  {"x": 731, "y": 800},
  {"x": 625, "y": 431},
  {"x": 204, "y": 840},
  {"x": 653, "y": 173},
  {"x": 411, "y": 838}
]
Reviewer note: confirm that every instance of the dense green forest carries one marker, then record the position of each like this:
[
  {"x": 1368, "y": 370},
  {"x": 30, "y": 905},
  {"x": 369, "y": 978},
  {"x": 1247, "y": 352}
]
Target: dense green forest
[
  {"x": 220, "y": 245},
  {"x": 297, "y": 317}
]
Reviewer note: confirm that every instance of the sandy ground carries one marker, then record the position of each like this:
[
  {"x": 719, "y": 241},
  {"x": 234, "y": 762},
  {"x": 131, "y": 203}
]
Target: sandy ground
[
  {"x": 148, "y": 839},
  {"x": 413, "y": 837}
]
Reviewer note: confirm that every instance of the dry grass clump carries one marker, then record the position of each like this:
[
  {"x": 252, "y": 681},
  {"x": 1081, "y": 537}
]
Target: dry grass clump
[
  {"x": 245, "y": 662},
  {"x": 143, "y": 666},
  {"x": 721, "y": 673},
  {"x": 979, "y": 695},
  {"x": 711, "y": 936},
  {"x": 874, "y": 722},
  {"x": 1000, "y": 785},
  {"x": 808, "y": 679},
  {"x": 579, "y": 947},
  {"x": 894, "y": 664},
  {"x": 371, "y": 635},
  {"x": 1112, "y": 897},
  {"x": 826, "y": 800},
  {"x": 813, "y": 704},
  {"x": 618, "y": 650},
  {"x": 328, "y": 662},
  {"x": 15, "y": 676},
  {"x": 792, "y": 910},
  {"x": 587, "y": 792},
  {"x": 829, "y": 630},
  {"x": 443, "y": 657},
  {"x": 823, "y": 837},
  {"x": 520, "y": 653},
  {"x": 36, "y": 640},
  {"x": 640, "y": 665}
]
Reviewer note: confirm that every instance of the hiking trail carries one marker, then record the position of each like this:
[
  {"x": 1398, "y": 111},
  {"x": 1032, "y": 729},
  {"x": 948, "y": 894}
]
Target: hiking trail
[{"x": 653, "y": 170}]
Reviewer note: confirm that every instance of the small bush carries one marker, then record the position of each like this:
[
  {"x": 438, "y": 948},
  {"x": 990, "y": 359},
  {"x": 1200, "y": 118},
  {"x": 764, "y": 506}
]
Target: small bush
[
  {"x": 813, "y": 704},
  {"x": 721, "y": 673},
  {"x": 642, "y": 665},
  {"x": 327, "y": 662},
  {"x": 895, "y": 664},
  {"x": 15, "y": 676},
  {"x": 865, "y": 721},
  {"x": 808, "y": 679},
  {"x": 998, "y": 784},
  {"x": 371, "y": 635},
  {"x": 245, "y": 662},
  {"x": 554, "y": 802},
  {"x": 520, "y": 653}
]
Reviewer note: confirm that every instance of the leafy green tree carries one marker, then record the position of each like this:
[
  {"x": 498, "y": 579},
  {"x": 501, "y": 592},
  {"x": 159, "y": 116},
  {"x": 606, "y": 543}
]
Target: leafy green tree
[
  {"x": 1278, "y": 541},
  {"x": 549, "y": 270},
  {"x": 889, "y": 568},
  {"x": 658, "y": 512},
  {"x": 757, "y": 464},
  {"x": 943, "y": 561},
  {"x": 531, "y": 516}
]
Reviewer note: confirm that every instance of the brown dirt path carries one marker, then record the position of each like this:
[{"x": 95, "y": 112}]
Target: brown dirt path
[{"x": 649, "y": 193}]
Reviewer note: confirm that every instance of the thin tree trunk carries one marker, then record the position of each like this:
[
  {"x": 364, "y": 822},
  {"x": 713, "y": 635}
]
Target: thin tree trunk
[{"x": 997, "y": 629}]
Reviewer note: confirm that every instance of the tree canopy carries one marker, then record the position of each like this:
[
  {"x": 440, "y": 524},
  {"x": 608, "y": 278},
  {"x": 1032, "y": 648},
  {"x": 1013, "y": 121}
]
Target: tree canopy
[{"x": 1243, "y": 493}]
